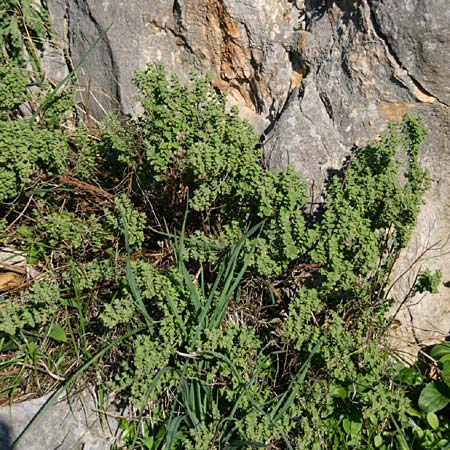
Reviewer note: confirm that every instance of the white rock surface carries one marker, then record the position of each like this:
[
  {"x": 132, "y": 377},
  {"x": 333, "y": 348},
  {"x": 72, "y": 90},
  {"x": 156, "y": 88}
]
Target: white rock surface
[{"x": 61, "y": 426}]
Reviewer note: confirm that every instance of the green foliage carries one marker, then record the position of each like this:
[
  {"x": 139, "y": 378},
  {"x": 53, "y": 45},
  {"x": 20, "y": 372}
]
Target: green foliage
[
  {"x": 23, "y": 31},
  {"x": 135, "y": 221},
  {"x": 13, "y": 87},
  {"x": 210, "y": 367},
  {"x": 435, "y": 396},
  {"x": 185, "y": 128},
  {"x": 370, "y": 214},
  {"x": 429, "y": 427},
  {"x": 352, "y": 397},
  {"x": 42, "y": 301},
  {"x": 234, "y": 319},
  {"x": 428, "y": 281},
  {"x": 28, "y": 151},
  {"x": 186, "y": 143}
]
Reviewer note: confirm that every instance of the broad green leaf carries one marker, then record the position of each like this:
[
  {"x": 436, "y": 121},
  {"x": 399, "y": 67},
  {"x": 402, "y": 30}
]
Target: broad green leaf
[
  {"x": 411, "y": 376},
  {"x": 440, "y": 350},
  {"x": 445, "y": 373},
  {"x": 446, "y": 368},
  {"x": 433, "y": 420},
  {"x": 57, "y": 333},
  {"x": 434, "y": 397}
]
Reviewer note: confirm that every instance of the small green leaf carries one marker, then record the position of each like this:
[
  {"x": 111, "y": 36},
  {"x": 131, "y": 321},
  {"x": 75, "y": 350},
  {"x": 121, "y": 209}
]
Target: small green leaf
[
  {"x": 148, "y": 442},
  {"x": 57, "y": 333},
  {"x": 411, "y": 376},
  {"x": 378, "y": 441},
  {"x": 24, "y": 231},
  {"x": 428, "y": 281},
  {"x": 31, "y": 347},
  {"x": 123, "y": 424},
  {"x": 339, "y": 392},
  {"x": 35, "y": 254},
  {"x": 434, "y": 397},
  {"x": 433, "y": 420},
  {"x": 413, "y": 412},
  {"x": 346, "y": 425},
  {"x": 440, "y": 350},
  {"x": 351, "y": 426}
]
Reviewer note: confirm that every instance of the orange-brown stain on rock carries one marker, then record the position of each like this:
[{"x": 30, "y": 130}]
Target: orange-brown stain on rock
[
  {"x": 232, "y": 55},
  {"x": 303, "y": 42},
  {"x": 297, "y": 79},
  {"x": 393, "y": 111},
  {"x": 234, "y": 66},
  {"x": 299, "y": 72},
  {"x": 220, "y": 84}
]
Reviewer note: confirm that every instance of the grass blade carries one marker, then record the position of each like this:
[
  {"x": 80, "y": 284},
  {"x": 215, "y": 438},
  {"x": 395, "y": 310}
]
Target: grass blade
[
  {"x": 51, "y": 96},
  {"x": 172, "y": 431},
  {"x": 155, "y": 380},
  {"x": 135, "y": 292},
  {"x": 54, "y": 397},
  {"x": 297, "y": 382}
]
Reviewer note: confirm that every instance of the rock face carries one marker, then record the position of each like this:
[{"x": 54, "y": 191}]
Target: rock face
[
  {"x": 64, "y": 426},
  {"x": 315, "y": 77},
  {"x": 418, "y": 38}
]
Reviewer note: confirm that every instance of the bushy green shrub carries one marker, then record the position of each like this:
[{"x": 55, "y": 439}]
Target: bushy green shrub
[
  {"x": 185, "y": 144},
  {"x": 347, "y": 254},
  {"x": 27, "y": 152},
  {"x": 231, "y": 317},
  {"x": 13, "y": 88},
  {"x": 369, "y": 214}
]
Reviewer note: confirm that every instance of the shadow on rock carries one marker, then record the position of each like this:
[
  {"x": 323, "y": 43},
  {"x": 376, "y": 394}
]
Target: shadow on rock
[{"x": 5, "y": 436}]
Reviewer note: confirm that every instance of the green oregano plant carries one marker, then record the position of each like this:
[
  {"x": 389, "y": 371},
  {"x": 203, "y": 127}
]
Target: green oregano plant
[
  {"x": 234, "y": 318},
  {"x": 24, "y": 28},
  {"x": 369, "y": 214},
  {"x": 336, "y": 386},
  {"x": 185, "y": 144}
]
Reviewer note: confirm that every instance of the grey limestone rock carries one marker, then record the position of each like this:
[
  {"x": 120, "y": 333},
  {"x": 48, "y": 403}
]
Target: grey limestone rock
[
  {"x": 62, "y": 426},
  {"x": 241, "y": 43},
  {"x": 418, "y": 36},
  {"x": 304, "y": 120}
]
